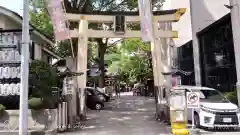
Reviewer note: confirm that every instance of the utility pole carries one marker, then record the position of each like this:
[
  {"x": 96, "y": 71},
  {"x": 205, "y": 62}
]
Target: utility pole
[
  {"x": 197, "y": 71},
  {"x": 23, "y": 119},
  {"x": 235, "y": 19}
]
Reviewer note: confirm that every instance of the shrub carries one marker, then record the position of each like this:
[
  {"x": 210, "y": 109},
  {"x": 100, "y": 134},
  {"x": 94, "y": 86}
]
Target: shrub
[
  {"x": 232, "y": 96},
  {"x": 42, "y": 79},
  {"x": 35, "y": 103},
  {"x": 2, "y": 108}
]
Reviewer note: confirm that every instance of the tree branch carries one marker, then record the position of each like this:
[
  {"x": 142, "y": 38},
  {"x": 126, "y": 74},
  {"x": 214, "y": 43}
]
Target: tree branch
[
  {"x": 114, "y": 43},
  {"x": 122, "y": 3}
]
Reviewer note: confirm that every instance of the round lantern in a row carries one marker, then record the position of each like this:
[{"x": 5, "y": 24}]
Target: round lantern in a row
[
  {"x": 9, "y": 89},
  {"x": 10, "y": 55},
  {"x": 9, "y": 72}
]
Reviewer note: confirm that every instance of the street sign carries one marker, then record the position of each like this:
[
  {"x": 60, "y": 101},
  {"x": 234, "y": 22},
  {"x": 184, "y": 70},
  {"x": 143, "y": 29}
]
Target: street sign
[{"x": 193, "y": 99}]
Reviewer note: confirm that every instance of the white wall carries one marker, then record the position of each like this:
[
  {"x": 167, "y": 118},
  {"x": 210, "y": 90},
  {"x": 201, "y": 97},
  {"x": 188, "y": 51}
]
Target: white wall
[
  {"x": 205, "y": 12},
  {"x": 2, "y": 22},
  {"x": 7, "y": 23}
]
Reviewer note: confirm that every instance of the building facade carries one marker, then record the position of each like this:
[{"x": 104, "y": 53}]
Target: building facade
[
  {"x": 216, "y": 55},
  {"x": 217, "y": 60},
  {"x": 185, "y": 63},
  {"x": 10, "y": 27},
  {"x": 199, "y": 14}
]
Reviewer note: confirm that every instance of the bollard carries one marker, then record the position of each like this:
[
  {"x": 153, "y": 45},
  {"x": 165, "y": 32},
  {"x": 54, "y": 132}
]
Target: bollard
[
  {"x": 64, "y": 125},
  {"x": 59, "y": 120}
]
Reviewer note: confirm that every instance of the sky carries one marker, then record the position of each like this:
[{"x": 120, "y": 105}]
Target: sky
[{"x": 14, "y": 5}]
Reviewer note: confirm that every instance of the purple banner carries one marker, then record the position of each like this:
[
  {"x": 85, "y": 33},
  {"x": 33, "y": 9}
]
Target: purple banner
[
  {"x": 58, "y": 20},
  {"x": 145, "y": 13}
]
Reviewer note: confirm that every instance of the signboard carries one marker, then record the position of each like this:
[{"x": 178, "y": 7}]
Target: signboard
[
  {"x": 177, "y": 100},
  {"x": 68, "y": 86},
  {"x": 145, "y": 14},
  {"x": 58, "y": 19},
  {"x": 193, "y": 99}
]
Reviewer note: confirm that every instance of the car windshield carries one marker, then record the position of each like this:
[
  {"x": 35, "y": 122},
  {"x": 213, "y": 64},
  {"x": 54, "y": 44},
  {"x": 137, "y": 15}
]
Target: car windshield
[{"x": 212, "y": 96}]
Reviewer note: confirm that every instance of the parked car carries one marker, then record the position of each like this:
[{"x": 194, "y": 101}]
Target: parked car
[
  {"x": 93, "y": 100},
  {"x": 215, "y": 111},
  {"x": 104, "y": 97}
]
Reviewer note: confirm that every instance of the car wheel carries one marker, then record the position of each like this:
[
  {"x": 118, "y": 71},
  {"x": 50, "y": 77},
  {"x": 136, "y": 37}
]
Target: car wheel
[
  {"x": 98, "y": 106},
  {"x": 196, "y": 121}
]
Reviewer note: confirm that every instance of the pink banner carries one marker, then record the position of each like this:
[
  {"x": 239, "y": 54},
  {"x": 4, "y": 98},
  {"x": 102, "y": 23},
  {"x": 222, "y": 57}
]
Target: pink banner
[{"x": 58, "y": 20}]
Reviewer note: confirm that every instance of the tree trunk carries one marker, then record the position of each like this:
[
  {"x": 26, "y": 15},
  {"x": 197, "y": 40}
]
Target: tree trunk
[{"x": 101, "y": 52}]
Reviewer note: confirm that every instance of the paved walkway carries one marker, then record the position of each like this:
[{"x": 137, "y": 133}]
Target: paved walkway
[{"x": 129, "y": 115}]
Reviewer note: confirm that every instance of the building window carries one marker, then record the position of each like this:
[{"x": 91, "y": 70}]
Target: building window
[{"x": 217, "y": 57}]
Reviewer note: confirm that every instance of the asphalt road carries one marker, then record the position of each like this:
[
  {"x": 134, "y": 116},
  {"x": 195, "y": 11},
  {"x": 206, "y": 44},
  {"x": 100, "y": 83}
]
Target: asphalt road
[{"x": 129, "y": 115}]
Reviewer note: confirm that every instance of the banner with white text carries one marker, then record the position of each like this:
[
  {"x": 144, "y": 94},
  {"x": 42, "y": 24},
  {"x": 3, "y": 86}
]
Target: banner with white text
[
  {"x": 145, "y": 14},
  {"x": 58, "y": 20}
]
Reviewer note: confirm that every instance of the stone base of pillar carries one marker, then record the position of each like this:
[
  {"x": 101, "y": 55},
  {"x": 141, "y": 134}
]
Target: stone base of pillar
[
  {"x": 162, "y": 109},
  {"x": 83, "y": 117}
]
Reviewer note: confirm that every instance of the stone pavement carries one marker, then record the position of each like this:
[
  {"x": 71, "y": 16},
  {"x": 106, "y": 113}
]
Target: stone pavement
[{"x": 129, "y": 115}]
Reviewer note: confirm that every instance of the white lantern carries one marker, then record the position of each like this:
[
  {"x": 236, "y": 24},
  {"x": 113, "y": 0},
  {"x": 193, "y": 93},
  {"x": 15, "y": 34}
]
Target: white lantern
[
  {"x": 5, "y": 56},
  {"x": 1, "y": 72},
  {"x": 17, "y": 89},
  {"x": 13, "y": 72},
  {"x": 17, "y": 56},
  {"x": 18, "y": 72},
  {"x": 1, "y": 55},
  {"x": 12, "y": 55},
  {"x": 6, "y": 72},
  {"x": 10, "y": 89},
  {"x": 5, "y": 89},
  {"x": 1, "y": 89}
]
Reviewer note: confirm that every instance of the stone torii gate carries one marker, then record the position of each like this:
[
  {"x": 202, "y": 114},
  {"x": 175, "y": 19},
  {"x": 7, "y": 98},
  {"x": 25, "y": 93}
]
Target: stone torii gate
[{"x": 83, "y": 33}]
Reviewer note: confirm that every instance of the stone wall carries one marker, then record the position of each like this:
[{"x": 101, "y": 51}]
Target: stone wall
[{"x": 37, "y": 120}]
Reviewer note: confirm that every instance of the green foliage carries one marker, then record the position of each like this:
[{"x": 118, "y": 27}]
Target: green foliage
[
  {"x": 2, "y": 108},
  {"x": 35, "y": 103},
  {"x": 232, "y": 96},
  {"x": 131, "y": 61},
  {"x": 63, "y": 49},
  {"x": 42, "y": 79},
  {"x": 40, "y": 18}
]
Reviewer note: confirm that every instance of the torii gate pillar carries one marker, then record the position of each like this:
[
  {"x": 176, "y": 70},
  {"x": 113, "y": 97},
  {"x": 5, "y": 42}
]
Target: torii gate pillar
[{"x": 82, "y": 65}]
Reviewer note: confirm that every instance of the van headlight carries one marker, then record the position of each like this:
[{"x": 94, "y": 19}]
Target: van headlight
[
  {"x": 207, "y": 110},
  {"x": 238, "y": 110}
]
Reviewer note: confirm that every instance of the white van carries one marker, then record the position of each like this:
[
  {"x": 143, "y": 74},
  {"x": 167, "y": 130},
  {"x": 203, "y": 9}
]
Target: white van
[{"x": 215, "y": 110}]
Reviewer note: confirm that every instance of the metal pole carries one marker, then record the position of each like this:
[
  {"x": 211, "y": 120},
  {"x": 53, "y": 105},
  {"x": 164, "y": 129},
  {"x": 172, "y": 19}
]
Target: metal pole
[
  {"x": 235, "y": 11},
  {"x": 23, "y": 119},
  {"x": 195, "y": 43},
  {"x": 193, "y": 119}
]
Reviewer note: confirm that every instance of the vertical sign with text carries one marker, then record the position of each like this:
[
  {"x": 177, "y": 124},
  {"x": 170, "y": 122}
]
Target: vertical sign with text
[
  {"x": 145, "y": 14},
  {"x": 58, "y": 19}
]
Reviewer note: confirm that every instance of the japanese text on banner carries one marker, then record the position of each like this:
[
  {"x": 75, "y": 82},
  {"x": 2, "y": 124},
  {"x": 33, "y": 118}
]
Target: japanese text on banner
[
  {"x": 145, "y": 13},
  {"x": 58, "y": 20}
]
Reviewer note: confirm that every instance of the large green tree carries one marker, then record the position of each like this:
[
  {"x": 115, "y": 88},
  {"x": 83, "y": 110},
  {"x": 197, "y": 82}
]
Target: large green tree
[{"x": 131, "y": 61}]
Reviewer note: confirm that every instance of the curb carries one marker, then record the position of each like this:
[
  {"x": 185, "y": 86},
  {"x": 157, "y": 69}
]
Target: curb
[{"x": 31, "y": 132}]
